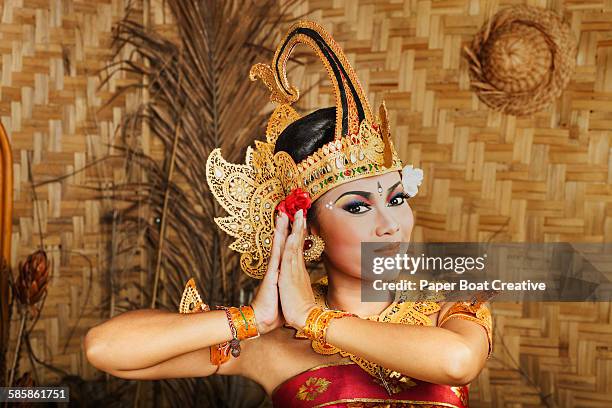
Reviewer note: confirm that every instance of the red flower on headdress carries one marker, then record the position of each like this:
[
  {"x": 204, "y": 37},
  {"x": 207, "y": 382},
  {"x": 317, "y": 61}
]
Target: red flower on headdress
[{"x": 297, "y": 200}]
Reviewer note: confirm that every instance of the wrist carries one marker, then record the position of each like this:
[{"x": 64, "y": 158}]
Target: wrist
[
  {"x": 301, "y": 321},
  {"x": 262, "y": 325}
]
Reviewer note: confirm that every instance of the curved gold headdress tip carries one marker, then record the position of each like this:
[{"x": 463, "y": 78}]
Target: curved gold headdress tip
[
  {"x": 352, "y": 106},
  {"x": 277, "y": 93},
  {"x": 386, "y": 135}
]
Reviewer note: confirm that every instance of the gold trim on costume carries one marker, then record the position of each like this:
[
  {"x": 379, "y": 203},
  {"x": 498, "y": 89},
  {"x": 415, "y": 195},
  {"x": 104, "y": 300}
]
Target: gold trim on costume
[
  {"x": 413, "y": 402},
  {"x": 191, "y": 302},
  {"x": 461, "y": 394},
  {"x": 477, "y": 312},
  {"x": 312, "y": 388}
]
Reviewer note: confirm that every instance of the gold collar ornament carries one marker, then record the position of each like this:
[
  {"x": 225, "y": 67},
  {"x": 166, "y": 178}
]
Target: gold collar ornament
[
  {"x": 399, "y": 311},
  {"x": 250, "y": 192}
]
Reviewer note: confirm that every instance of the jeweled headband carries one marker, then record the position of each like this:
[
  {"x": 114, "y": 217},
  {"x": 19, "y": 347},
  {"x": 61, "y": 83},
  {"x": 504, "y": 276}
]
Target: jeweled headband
[{"x": 250, "y": 192}]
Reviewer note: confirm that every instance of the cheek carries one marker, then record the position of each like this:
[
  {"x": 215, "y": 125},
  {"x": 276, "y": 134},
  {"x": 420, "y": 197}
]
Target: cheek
[
  {"x": 344, "y": 233},
  {"x": 343, "y": 236},
  {"x": 406, "y": 223}
]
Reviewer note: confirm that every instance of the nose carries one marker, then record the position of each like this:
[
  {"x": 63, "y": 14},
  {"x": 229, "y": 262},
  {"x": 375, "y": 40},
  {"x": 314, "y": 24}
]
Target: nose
[{"x": 386, "y": 223}]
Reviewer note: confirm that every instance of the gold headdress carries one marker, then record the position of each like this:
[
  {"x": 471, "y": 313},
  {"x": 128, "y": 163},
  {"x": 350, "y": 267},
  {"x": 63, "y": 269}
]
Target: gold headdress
[{"x": 250, "y": 192}]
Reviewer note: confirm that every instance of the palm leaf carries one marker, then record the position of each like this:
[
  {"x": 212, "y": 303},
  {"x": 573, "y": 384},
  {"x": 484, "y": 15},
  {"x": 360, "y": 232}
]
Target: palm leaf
[{"x": 198, "y": 98}]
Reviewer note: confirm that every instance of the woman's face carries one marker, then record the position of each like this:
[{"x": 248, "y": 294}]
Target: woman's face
[{"x": 372, "y": 209}]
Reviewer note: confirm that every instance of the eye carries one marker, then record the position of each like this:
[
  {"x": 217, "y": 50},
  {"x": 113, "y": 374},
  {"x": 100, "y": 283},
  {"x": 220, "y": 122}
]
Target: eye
[
  {"x": 398, "y": 199},
  {"x": 356, "y": 207}
]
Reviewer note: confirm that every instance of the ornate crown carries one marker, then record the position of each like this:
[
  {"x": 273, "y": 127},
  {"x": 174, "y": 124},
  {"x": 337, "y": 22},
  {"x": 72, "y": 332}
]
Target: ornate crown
[{"x": 250, "y": 192}]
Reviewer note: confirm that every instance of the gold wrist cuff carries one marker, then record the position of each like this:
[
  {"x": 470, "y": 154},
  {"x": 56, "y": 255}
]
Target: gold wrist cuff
[{"x": 318, "y": 321}]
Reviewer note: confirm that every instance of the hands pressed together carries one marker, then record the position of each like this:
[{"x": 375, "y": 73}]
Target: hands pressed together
[{"x": 285, "y": 294}]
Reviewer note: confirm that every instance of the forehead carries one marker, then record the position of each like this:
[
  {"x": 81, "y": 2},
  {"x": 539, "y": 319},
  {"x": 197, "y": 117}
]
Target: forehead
[{"x": 365, "y": 184}]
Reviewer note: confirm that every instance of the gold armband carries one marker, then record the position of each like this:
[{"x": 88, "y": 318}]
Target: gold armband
[{"x": 475, "y": 311}]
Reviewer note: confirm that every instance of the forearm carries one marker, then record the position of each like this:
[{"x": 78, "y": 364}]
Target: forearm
[
  {"x": 427, "y": 353},
  {"x": 142, "y": 338}
]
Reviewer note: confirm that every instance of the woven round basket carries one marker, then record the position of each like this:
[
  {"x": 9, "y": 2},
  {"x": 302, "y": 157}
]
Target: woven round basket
[{"x": 521, "y": 59}]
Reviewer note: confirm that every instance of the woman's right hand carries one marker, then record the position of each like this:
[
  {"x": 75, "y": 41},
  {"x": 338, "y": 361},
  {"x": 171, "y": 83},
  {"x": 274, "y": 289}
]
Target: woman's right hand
[{"x": 266, "y": 303}]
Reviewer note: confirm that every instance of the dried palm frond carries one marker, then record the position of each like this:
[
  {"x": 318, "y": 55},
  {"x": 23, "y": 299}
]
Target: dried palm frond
[{"x": 197, "y": 96}]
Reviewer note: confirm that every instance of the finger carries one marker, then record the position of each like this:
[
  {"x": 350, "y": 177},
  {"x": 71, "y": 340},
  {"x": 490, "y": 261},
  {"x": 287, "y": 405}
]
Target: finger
[
  {"x": 300, "y": 247},
  {"x": 288, "y": 254},
  {"x": 280, "y": 232},
  {"x": 289, "y": 246},
  {"x": 298, "y": 230},
  {"x": 278, "y": 244},
  {"x": 296, "y": 222},
  {"x": 295, "y": 260},
  {"x": 275, "y": 251}
]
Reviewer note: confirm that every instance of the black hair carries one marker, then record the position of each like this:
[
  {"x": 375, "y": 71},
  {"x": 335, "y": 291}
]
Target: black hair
[
  {"x": 304, "y": 136},
  {"x": 307, "y": 134}
]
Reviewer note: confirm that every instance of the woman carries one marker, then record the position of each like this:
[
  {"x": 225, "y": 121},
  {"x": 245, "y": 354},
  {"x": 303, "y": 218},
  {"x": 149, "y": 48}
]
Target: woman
[{"x": 319, "y": 186}]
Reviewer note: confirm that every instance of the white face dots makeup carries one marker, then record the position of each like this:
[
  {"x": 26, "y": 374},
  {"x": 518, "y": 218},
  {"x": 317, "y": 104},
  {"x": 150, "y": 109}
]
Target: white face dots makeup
[{"x": 329, "y": 205}]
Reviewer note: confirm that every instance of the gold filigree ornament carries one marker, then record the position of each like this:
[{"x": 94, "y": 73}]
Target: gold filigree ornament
[
  {"x": 191, "y": 302},
  {"x": 362, "y": 147}
]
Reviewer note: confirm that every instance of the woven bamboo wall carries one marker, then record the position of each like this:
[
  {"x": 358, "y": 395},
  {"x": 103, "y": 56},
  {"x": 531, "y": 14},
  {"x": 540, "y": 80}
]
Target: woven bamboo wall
[
  {"x": 60, "y": 129},
  {"x": 488, "y": 176}
]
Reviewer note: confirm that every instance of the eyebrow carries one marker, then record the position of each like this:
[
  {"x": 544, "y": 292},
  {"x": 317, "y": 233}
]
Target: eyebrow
[
  {"x": 393, "y": 187},
  {"x": 365, "y": 194}
]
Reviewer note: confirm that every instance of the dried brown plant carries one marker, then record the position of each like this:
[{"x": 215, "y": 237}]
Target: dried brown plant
[{"x": 196, "y": 96}]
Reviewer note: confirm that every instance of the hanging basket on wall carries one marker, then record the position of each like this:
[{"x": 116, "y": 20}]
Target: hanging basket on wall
[{"x": 521, "y": 59}]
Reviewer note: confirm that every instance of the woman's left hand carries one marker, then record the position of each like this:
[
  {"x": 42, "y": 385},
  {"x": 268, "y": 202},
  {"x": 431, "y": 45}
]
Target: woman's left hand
[{"x": 296, "y": 296}]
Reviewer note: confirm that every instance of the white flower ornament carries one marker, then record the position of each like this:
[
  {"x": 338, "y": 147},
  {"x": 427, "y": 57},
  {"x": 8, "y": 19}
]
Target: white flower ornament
[{"x": 412, "y": 179}]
